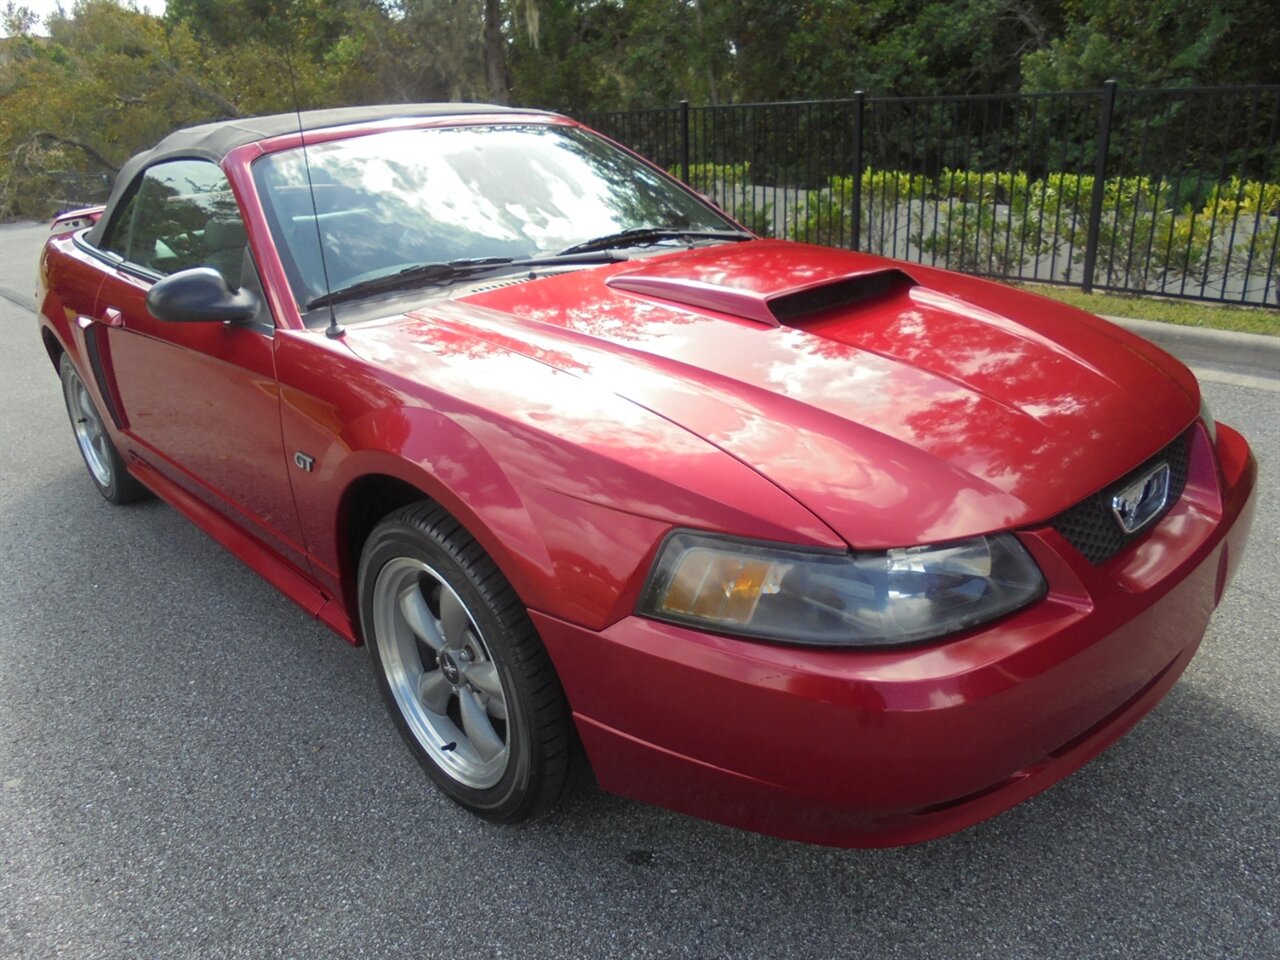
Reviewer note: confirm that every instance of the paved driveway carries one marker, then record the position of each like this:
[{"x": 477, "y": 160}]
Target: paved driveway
[{"x": 189, "y": 767}]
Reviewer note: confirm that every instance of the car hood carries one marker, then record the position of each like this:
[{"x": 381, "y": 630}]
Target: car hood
[{"x": 898, "y": 403}]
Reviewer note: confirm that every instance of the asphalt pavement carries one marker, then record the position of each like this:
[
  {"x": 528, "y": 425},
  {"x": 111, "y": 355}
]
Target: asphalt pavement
[{"x": 190, "y": 767}]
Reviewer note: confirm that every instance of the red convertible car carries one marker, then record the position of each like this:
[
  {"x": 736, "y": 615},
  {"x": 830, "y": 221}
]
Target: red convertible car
[{"x": 802, "y": 540}]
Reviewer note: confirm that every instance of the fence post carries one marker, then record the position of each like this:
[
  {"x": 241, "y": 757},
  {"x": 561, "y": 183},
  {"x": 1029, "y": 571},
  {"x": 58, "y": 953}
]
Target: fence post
[
  {"x": 1099, "y": 177},
  {"x": 859, "y": 106},
  {"x": 684, "y": 141}
]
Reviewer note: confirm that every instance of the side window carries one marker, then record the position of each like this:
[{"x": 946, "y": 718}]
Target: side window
[
  {"x": 117, "y": 238},
  {"x": 185, "y": 216}
]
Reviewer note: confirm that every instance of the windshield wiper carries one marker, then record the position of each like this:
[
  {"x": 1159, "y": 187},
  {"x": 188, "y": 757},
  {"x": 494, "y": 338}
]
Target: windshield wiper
[
  {"x": 428, "y": 274},
  {"x": 639, "y": 236},
  {"x": 598, "y": 250},
  {"x": 422, "y": 274}
]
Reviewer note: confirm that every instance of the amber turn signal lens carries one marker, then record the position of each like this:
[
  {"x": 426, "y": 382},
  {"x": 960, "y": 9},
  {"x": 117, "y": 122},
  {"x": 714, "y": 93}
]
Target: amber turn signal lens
[{"x": 716, "y": 586}]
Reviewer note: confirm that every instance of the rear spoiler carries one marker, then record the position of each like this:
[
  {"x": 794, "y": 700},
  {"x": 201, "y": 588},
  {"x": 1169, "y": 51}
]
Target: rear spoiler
[{"x": 75, "y": 219}]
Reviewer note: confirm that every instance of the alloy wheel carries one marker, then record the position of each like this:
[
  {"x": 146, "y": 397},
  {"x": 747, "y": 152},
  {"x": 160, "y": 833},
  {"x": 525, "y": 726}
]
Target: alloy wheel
[
  {"x": 90, "y": 433},
  {"x": 440, "y": 672}
]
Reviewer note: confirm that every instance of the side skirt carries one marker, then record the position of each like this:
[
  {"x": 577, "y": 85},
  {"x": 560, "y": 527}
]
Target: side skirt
[{"x": 281, "y": 575}]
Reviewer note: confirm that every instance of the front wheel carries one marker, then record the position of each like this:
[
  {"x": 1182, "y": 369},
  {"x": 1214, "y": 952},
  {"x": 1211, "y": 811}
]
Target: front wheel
[{"x": 461, "y": 667}]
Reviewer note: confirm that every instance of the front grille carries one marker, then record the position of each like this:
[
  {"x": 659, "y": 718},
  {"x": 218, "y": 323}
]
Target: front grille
[{"x": 1091, "y": 527}]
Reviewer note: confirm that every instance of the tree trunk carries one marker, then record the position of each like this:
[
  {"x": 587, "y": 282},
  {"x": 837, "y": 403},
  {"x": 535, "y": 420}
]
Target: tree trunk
[
  {"x": 702, "y": 49},
  {"x": 88, "y": 151},
  {"x": 495, "y": 53}
]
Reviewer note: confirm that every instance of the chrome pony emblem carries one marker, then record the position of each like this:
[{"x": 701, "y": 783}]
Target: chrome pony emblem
[{"x": 1138, "y": 503}]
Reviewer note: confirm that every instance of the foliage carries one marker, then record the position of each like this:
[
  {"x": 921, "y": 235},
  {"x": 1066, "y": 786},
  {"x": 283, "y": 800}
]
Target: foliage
[
  {"x": 756, "y": 215},
  {"x": 995, "y": 222},
  {"x": 109, "y": 80},
  {"x": 621, "y": 54},
  {"x": 1171, "y": 43},
  {"x": 703, "y": 175},
  {"x": 729, "y": 185},
  {"x": 17, "y": 20},
  {"x": 98, "y": 81}
]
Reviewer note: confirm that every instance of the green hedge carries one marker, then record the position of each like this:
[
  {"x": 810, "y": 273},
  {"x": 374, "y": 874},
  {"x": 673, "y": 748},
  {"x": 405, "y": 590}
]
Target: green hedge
[{"x": 997, "y": 222}]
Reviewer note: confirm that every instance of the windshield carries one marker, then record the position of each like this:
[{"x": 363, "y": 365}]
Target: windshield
[{"x": 389, "y": 201}]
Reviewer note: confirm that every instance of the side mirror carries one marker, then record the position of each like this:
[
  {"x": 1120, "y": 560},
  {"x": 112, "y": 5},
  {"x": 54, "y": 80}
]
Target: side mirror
[{"x": 199, "y": 295}]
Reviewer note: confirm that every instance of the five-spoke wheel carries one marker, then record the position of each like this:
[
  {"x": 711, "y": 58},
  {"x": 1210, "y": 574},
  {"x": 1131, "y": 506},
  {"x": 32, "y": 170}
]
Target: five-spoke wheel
[
  {"x": 440, "y": 672},
  {"x": 461, "y": 667}
]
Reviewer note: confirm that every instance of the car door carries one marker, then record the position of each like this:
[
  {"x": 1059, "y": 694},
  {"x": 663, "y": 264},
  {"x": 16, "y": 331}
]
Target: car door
[{"x": 198, "y": 401}]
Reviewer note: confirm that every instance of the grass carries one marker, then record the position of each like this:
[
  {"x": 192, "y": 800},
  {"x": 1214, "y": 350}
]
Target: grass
[{"x": 1187, "y": 313}]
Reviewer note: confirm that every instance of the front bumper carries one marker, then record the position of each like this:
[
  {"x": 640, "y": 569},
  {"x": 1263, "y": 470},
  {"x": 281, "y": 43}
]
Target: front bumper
[{"x": 859, "y": 748}]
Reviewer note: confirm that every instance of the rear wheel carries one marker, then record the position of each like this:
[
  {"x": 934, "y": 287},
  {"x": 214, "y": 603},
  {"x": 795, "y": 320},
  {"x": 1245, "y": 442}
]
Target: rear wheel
[
  {"x": 106, "y": 467},
  {"x": 461, "y": 667}
]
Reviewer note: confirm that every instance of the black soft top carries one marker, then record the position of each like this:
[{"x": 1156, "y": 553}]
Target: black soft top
[{"x": 213, "y": 141}]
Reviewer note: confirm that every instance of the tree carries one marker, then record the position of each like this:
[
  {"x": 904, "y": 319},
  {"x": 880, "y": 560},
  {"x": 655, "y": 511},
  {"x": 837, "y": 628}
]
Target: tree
[
  {"x": 110, "y": 80},
  {"x": 1171, "y": 43},
  {"x": 113, "y": 79},
  {"x": 17, "y": 20}
]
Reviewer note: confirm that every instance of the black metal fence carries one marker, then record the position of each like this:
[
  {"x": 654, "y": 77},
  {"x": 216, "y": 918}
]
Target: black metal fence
[{"x": 1173, "y": 192}]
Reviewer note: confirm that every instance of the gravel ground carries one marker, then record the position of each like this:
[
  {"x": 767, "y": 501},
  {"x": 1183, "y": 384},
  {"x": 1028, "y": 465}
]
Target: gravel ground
[{"x": 189, "y": 767}]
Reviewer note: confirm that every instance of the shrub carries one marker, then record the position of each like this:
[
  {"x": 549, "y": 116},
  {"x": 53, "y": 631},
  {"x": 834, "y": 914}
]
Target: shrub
[{"x": 996, "y": 222}]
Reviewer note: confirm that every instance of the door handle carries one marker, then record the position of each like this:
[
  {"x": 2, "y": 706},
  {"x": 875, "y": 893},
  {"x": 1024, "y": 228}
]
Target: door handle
[{"x": 111, "y": 317}]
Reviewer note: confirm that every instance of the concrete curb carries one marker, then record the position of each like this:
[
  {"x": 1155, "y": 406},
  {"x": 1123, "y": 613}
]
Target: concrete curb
[{"x": 1248, "y": 353}]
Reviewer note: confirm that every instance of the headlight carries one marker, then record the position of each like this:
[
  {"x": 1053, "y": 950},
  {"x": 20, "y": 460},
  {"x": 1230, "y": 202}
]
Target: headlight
[
  {"x": 793, "y": 595},
  {"x": 1207, "y": 418}
]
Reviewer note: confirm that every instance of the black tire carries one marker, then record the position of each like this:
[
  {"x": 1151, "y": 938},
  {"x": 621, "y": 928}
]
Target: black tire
[
  {"x": 435, "y": 666},
  {"x": 105, "y": 465}
]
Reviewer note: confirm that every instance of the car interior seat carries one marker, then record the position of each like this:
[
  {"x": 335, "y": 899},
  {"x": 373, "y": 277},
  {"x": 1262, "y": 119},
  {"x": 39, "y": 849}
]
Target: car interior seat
[{"x": 224, "y": 243}]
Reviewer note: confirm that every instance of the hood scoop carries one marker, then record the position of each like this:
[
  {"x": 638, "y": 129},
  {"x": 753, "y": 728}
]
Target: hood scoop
[{"x": 773, "y": 306}]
